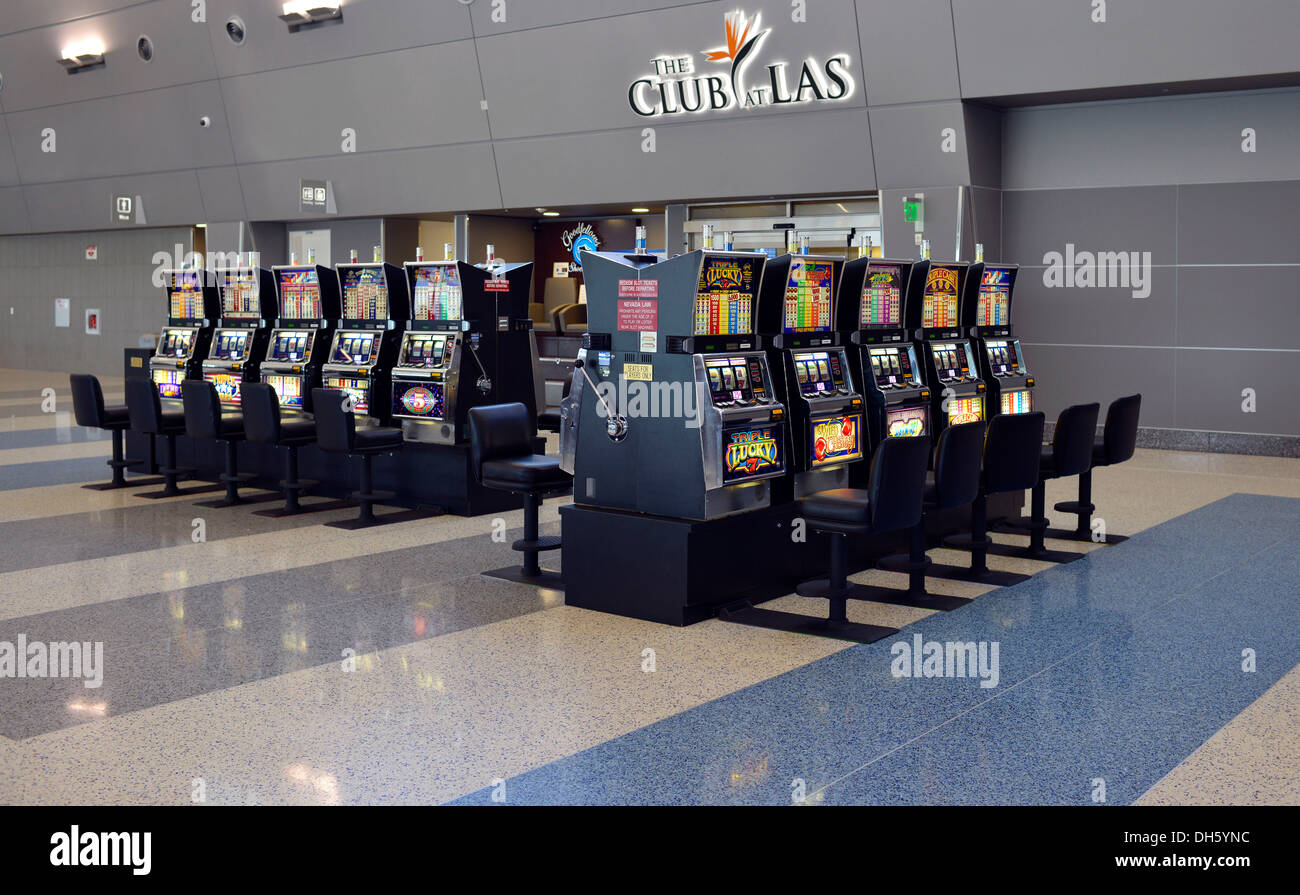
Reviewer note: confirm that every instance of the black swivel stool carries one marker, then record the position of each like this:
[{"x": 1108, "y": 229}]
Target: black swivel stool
[
  {"x": 147, "y": 416},
  {"x": 262, "y": 425},
  {"x": 891, "y": 502},
  {"x": 1116, "y": 445},
  {"x": 954, "y": 482},
  {"x": 88, "y": 407},
  {"x": 501, "y": 453},
  {"x": 1011, "y": 458},
  {"x": 1070, "y": 453},
  {"x": 336, "y": 430},
  {"x": 204, "y": 418}
]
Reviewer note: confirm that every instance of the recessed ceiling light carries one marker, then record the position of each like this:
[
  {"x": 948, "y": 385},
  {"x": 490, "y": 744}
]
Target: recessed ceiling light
[
  {"x": 640, "y": 211},
  {"x": 550, "y": 214}
]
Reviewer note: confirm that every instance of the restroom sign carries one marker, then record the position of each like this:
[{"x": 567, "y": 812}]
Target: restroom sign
[{"x": 123, "y": 209}]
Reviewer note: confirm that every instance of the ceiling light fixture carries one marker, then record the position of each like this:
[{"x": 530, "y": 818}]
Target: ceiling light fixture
[
  {"x": 640, "y": 211},
  {"x": 550, "y": 214},
  {"x": 83, "y": 54},
  {"x": 300, "y": 13}
]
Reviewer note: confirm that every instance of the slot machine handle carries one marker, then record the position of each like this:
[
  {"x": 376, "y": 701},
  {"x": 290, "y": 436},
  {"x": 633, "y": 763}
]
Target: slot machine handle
[
  {"x": 616, "y": 425},
  {"x": 485, "y": 381}
]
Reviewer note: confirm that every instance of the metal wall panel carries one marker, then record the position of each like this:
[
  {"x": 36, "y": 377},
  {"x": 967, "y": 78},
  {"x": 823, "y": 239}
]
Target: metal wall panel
[
  {"x": 1210, "y": 386},
  {"x": 386, "y": 99},
  {"x": 182, "y": 55},
  {"x": 762, "y": 157},
  {"x": 221, "y": 194},
  {"x": 139, "y": 133},
  {"x": 908, "y": 144},
  {"x": 1240, "y": 223},
  {"x": 1082, "y": 374},
  {"x": 1239, "y": 307},
  {"x": 169, "y": 199},
  {"x": 20, "y": 15},
  {"x": 1011, "y": 47},
  {"x": 1035, "y": 222},
  {"x": 523, "y": 14},
  {"x": 908, "y": 51}
]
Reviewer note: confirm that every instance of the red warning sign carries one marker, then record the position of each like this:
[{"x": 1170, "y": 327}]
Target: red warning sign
[
  {"x": 496, "y": 285},
  {"x": 638, "y": 315},
  {"x": 638, "y": 288}
]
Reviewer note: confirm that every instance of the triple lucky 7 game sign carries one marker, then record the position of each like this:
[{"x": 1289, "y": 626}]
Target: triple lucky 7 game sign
[{"x": 752, "y": 451}]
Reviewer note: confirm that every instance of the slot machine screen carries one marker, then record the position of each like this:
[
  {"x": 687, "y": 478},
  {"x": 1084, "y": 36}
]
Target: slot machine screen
[
  {"x": 288, "y": 389},
  {"x": 1002, "y": 357},
  {"x": 994, "y": 306},
  {"x": 423, "y": 350},
  {"x": 950, "y": 360},
  {"x": 730, "y": 380},
  {"x": 907, "y": 421},
  {"x": 437, "y": 294},
  {"x": 808, "y": 296},
  {"x": 965, "y": 410},
  {"x": 300, "y": 294},
  {"x": 230, "y": 344},
  {"x": 227, "y": 386},
  {"x": 892, "y": 366},
  {"x": 239, "y": 295},
  {"x": 424, "y": 400},
  {"x": 365, "y": 293},
  {"x": 176, "y": 343},
  {"x": 882, "y": 297},
  {"x": 169, "y": 383},
  {"x": 357, "y": 349},
  {"x": 724, "y": 299},
  {"x": 1017, "y": 401},
  {"x": 356, "y": 389},
  {"x": 292, "y": 345},
  {"x": 186, "y": 295},
  {"x": 939, "y": 304}
]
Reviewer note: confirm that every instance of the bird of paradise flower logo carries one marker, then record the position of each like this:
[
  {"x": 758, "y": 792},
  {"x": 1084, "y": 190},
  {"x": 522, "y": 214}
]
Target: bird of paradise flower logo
[{"x": 740, "y": 46}]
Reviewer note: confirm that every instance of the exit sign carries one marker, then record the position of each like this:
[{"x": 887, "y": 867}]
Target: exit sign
[{"x": 911, "y": 210}]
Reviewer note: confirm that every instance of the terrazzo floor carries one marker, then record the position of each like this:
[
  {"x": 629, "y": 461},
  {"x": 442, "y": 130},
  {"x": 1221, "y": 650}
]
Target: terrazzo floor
[{"x": 283, "y": 661}]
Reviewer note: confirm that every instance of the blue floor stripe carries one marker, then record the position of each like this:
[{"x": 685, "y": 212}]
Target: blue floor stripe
[
  {"x": 54, "y": 472},
  {"x": 1112, "y": 668}
]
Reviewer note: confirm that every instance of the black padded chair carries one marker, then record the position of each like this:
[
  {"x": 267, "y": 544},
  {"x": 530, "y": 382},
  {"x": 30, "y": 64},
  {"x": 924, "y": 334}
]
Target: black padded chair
[
  {"x": 262, "y": 425},
  {"x": 147, "y": 416},
  {"x": 954, "y": 482},
  {"x": 205, "y": 418},
  {"x": 88, "y": 407},
  {"x": 501, "y": 454},
  {"x": 336, "y": 431},
  {"x": 891, "y": 502},
  {"x": 1070, "y": 453},
  {"x": 1011, "y": 458},
  {"x": 1115, "y": 445}
]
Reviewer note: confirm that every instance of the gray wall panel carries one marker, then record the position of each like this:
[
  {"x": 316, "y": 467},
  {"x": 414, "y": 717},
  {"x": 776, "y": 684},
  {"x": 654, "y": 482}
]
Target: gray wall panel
[
  {"x": 301, "y": 112},
  {"x": 400, "y": 182},
  {"x": 1233, "y": 306},
  {"x": 540, "y": 81},
  {"x": 143, "y": 132},
  {"x": 892, "y": 38},
  {"x": 986, "y": 223},
  {"x": 369, "y": 26},
  {"x": 908, "y": 145},
  {"x": 1008, "y": 47},
  {"x": 169, "y": 199},
  {"x": 1240, "y": 223},
  {"x": 18, "y": 15},
  {"x": 1210, "y": 384},
  {"x": 220, "y": 192},
  {"x": 521, "y": 14},
  {"x": 1093, "y": 316},
  {"x": 13, "y": 211},
  {"x": 8, "y": 167},
  {"x": 1171, "y": 140},
  {"x": 1035, "y": 222},
  {"x": 1080, "y": 375},
  {"x": 182, "y": 55},
  {"x": 760, "y": 158}
]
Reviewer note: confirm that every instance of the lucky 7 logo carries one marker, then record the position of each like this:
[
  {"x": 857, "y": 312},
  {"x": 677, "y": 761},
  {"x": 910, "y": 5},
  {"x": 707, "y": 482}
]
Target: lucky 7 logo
[{"x": 674, "y": 85}]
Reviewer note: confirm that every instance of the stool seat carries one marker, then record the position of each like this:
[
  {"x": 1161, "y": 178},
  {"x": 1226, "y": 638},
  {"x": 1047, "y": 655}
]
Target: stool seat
[
  {"x": 376, "y": 440},
  {"x": 89, "y": 410},
  {"x": 231, "y": 427},
  {"x": 845, "y": 506},
  {"x": 115, "y": 418},
  {"x": 171, "y": 421},
  {"x": 296, "y": 432},
  {"x": 1100, "y": 456},
  {"x": 533, "y": 471}
]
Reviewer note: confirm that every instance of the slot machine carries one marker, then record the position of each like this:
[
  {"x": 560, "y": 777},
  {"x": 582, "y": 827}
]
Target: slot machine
[
  {"x": 308, "y": 296},
  {"x": 375, "y": 308},
  {"x": 811, "y": 373},
  {"x": 957, "y": 393},
  {"x": 1001, "y": 359},
  {"x": 673, "y": 411},
  {"x": 457, "y": 352},
  {"x": 872, "y": 310},
  {"x": 183, "y": 343},
  {"x": 248, "y": 306}
]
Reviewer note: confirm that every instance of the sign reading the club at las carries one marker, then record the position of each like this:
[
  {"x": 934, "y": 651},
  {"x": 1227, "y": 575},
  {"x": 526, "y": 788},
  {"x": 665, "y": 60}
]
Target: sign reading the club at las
[{"x": 675, "y": 84}]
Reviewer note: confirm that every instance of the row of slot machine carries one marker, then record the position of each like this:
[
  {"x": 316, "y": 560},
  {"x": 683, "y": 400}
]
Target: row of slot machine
[
  {"x": 415, "y": 346},
  {"x": 803, "y": 363}
]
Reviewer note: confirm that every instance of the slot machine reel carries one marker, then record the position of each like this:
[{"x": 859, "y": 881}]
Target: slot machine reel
[{"x": 615, "y": 423}]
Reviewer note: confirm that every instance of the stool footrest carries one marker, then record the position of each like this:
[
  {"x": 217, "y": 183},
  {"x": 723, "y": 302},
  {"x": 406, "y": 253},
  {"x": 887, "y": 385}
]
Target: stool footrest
[
  {"x": 300, "y": 485},
  {"x": 374, "y": 496},
  {"x": 967, "y": 542},
  {"x": 1076, "y": 507},
  {"x": 240, "y": 478},
  {"x": 546, "y": 542},
  {"x": 902, "y": 562}
]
